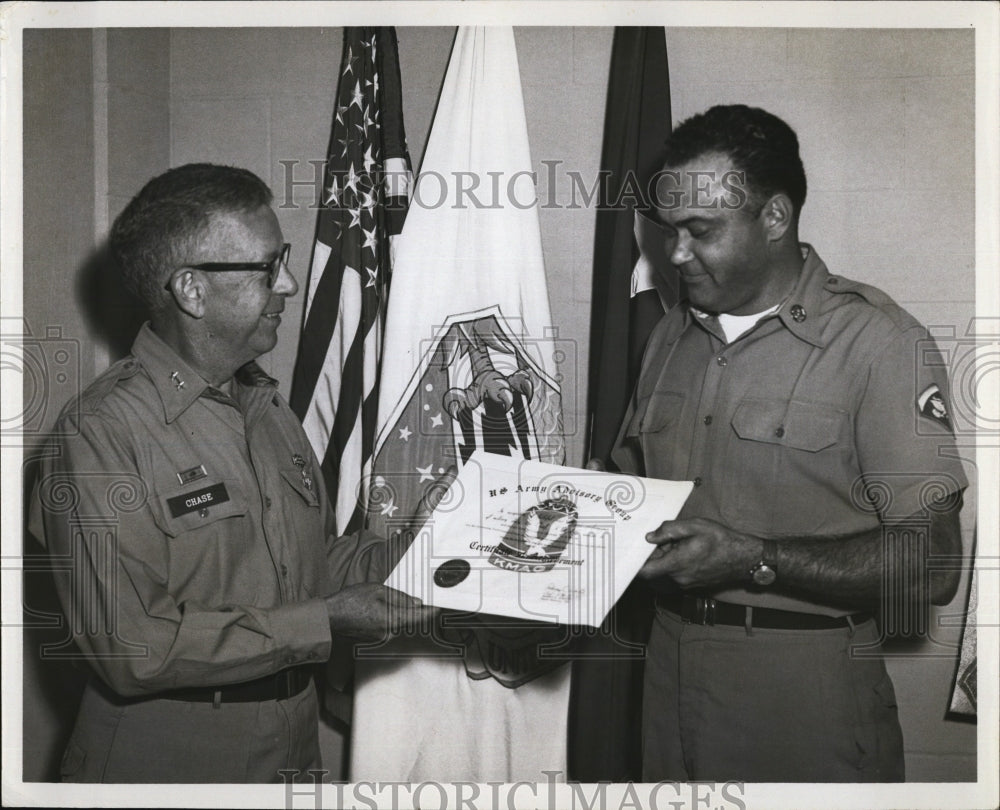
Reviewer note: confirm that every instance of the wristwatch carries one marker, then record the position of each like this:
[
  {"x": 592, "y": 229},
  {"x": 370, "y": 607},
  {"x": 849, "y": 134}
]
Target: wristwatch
[{"x": 765, "y": 572}]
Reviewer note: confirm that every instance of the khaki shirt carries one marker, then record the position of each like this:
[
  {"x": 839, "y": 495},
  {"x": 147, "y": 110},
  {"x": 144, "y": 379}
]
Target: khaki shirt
[
  {"x": 813, "y": 423},
  {"x": 193, "y": 528}
]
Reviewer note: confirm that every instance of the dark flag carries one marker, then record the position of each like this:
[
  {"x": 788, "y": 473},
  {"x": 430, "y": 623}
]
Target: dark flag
[
  {"x": 366, "y": 185},
  {"x": 628, "y": 300}
]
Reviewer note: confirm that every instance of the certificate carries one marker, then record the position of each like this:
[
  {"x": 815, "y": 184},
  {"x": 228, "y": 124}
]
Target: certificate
[{"x": 536, "y": 541}]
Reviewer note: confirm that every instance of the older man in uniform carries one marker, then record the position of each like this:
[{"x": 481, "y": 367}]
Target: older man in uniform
[
  {"x": 809, "y": 412},
  {"x": 206, "y": 582}
]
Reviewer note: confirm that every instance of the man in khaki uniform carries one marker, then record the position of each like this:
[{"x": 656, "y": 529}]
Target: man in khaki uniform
[
  {"x": 206, "y": 581},
  {"x": 810, "y": 412}
]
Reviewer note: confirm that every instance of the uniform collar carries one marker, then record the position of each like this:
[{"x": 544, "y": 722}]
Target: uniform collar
[
  {"x": 799, "y": 313},
  {"x": 177, "y": 384}
]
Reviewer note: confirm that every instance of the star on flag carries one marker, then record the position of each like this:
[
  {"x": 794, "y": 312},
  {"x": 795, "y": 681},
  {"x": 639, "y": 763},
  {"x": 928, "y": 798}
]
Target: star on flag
[
  {"x": 358, "y": 97},
  {"x": 333, "y": 193},
  {"x": 352, "y": 179},
  {"x": 349, "y": 61}
]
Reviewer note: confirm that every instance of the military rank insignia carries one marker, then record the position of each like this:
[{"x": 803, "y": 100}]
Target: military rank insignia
[
  {"x": 303, "y": 468},
  {"x": 931, "y": 404}
]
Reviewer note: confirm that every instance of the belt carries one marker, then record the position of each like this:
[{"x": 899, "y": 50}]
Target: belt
[
  {"x": 705, "y": 610},
  {"x": 280, "y": 686}
]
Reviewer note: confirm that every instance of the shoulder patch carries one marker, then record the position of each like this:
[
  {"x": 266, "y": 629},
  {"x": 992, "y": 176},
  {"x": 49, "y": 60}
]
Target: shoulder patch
[{"x": 931, "y": 405}]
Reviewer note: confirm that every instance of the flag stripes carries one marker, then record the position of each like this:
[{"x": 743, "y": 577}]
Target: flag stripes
[{"x": 335, "y": 383}]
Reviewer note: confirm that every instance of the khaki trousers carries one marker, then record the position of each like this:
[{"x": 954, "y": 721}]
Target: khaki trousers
[
  {"x": 721, "y": 704},
  {"x": 175, "y": 741}
]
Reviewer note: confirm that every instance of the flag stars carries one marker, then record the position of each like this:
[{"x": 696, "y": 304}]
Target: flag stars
[
  {"x": 436, "y": 420},
  {"x": 389, "y": 509},
  {"x": 372, "y": 277},
  {"x": 355, "y": 218},
  {"x": 357, "y": 97},
  {"x": 405, "y": 433},
  {"x": 369, "y": 159},
  {"x": 349, "y": 61},
  {"x": 425, "y": 473},
  {"x": 352, "y": 180},
  {"x": 370, "y": 240},
  {"x": 333, "y": 193}
]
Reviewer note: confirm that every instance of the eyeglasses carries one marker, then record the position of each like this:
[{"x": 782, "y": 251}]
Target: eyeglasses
[{"x": 273, "y": 267}]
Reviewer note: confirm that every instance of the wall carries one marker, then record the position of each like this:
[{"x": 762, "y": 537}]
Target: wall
[
  {"x": 59, "y": 128},
  {"x": 883, "y": 118},
  {"x": 96, "y": 124}
]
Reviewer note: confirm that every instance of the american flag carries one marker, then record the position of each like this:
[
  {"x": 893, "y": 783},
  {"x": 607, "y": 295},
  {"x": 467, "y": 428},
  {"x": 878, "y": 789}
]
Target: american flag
[{"x": 366, "y": 188}]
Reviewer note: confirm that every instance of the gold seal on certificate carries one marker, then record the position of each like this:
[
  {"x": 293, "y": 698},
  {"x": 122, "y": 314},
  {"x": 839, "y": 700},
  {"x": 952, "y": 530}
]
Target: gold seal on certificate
[{"x": 536, "y": 541}]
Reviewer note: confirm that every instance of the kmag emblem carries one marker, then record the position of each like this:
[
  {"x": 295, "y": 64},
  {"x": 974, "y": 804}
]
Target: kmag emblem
[{"x": 535, "y": 542}]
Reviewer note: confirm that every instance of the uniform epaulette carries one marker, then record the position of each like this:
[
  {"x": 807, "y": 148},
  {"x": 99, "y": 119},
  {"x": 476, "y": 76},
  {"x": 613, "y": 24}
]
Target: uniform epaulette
[
  {"x": 877, "y": 298},
  {"x": 93, "y": 396}
]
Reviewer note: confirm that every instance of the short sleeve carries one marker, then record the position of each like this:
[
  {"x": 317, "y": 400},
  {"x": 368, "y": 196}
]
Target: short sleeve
[{"x": 904, "y": 433}]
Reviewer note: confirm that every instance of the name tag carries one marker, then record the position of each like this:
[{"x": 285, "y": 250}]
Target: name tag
[{"x": 199, "y": 499}]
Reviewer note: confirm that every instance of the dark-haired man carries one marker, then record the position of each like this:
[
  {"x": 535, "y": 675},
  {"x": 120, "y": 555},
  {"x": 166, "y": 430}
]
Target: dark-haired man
[
  {"x": 206, "y": 583},
  {"x": 791, "y": 397}
]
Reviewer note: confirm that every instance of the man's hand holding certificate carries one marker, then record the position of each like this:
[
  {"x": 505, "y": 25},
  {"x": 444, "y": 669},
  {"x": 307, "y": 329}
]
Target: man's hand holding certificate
[{"x": 536, "y": 541}]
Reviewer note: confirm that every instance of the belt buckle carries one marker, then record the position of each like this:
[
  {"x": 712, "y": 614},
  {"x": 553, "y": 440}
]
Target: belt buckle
[
  {"x": 704, "y": 610},
  {"x": 699, "y": 610}
]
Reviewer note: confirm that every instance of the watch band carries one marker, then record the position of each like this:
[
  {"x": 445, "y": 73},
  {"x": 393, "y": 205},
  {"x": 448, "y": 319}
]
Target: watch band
[{"x": 765, "y": 572}]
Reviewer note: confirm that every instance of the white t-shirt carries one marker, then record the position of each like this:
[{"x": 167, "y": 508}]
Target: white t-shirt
[{"x": 735, "y": 325}]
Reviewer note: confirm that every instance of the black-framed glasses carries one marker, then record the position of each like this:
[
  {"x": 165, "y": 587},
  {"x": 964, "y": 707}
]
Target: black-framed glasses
[{"x": 273, "y": 267}]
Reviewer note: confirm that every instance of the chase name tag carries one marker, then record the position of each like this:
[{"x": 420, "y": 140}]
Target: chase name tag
[{"x": 197, "y": 500}]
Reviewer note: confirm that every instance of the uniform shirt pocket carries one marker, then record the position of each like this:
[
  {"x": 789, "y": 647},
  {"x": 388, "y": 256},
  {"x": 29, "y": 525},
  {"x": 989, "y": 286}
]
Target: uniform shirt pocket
[
  {"x": 656, "y": 431},
  {"x": 796, "y": 425},
  {"x": 194, "y": 507},
  {"x": 786, "y": 466},
  {"x": 304, "y": 485}
]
